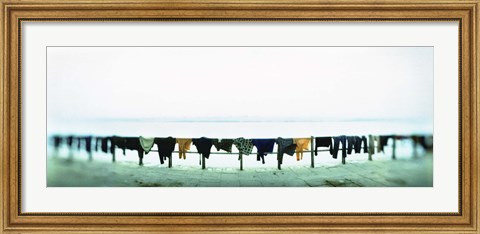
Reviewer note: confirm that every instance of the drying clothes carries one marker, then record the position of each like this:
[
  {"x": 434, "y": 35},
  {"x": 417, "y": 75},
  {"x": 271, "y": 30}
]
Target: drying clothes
[
  {"x": 371, "y": 144},
  {"x": 263, "y": 146},
  {"x": 183, "y": 146},
  {"x": 133, "y": 143},
  {"x": 166, "y": 146},
  {"x": 57, "y": 141},
  {"x": 98, "y": 142},
  {"x": 363, "y": 140},
  {"x": 285, "y": 146},
  {"x": 69, "y": 141},
  {"x": 146, "y": 143},
  {"x": 105, "y": 141},
  {"x": 336, "y": 146},
  {"x": 351, "y": 140},
  {"x": 79, "y": 142},
  {"x": 302, "y": 144},
  {"x": 119, "y": 142},
  {"x": 383, "y": 141},
  {"x": 88, "y": 144},
  {"x": 323, "y": 142},
  {"x": 204, "y": 146},
  {"x": 244, "y": 146},
  {"x": 223, "y": 144}
]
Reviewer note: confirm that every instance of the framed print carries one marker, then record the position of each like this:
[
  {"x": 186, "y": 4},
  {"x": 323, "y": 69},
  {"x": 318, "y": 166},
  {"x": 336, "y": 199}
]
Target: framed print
[{"x": 254, "y": 116}]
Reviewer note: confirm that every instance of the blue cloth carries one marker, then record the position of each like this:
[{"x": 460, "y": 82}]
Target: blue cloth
[{"x": 263, "y": 146}]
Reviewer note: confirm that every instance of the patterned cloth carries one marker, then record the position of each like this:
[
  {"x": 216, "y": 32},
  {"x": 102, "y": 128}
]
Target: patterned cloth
[
  {"x": 244, "y": 146},
  {"x": 223, "y": 144},
  {"x": 146, "y": 143},
  {"x": 263, "y": 146},
  {"x": 285, "y": 146},
  {"x": 183, "y": 146},
  {"x": 204, "y": 146},
  {"x": 166, "y": 146},
  {"x": 302, "y": 144}
]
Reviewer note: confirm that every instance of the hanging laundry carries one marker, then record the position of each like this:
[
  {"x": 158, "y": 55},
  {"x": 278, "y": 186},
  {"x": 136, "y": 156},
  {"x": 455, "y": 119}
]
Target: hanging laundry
[
  {"x": 263, "y": 146},
  {"x": 352, "y": 142},
  {"x": 119, "y": 142},
  {"x": 204, "y": 146},
  {"x": 223, "y": 144},
  {"x": 88, "y": 144},
  {"x": 244, "y": 146},
  {"x": 323, "y": 142},
  {"x": 105, "y": 141},
  {"x": 133, "y": 143},
  {"x": 302, "y": 144},
  {"x": 166, "y": 146},
  {"x": 146, "y": 143},
  {"x": 383, "y": 141},
  {"x": 336, "y": 146},
  {"x": 183, "y": 146},
  {"x": 363, "y": 140},
  {"x": 371, "y": 144},
  {"x": 98, "y": 142},
  {"x": 57, "y": 142},
  {"x": 79, "y": 143},
  {"x": 69, "y": 142},
  {"x": 285, "y": 146}
]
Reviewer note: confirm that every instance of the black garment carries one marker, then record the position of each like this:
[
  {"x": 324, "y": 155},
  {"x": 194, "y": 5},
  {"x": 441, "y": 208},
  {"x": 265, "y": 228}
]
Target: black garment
[
  {"x": 120, "y": 142},
  {"x": 383, "y": 142},
  {"x": 355, "y": 143},
  {"x": 79, "y": 142},
  {"x": 223, "y": 144},
  {"x": 204, "y": 145},
  {"x": 57, "y": 141},
  {"x": 133, "y": 143},
  {"x": 363, "y": 140},
  {"x": 98, "y": 142},
  {"x": 105, "y": 141},
  {"x": 336, "y": 145},
  {"x": 166, "y": 146},
  {"x": 264, "y": 146},
  {"x": 323, "y": 142},
  {"x": 285, "y": 146},
  {"x": 88, "y": 144},
  {"x": 69, "y": 142}
]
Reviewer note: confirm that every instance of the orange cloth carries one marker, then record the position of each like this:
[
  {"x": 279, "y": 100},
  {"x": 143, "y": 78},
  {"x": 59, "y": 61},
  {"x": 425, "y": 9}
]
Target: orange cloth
[
  {"x": 183, "y": 146},
  {"x": 302, "y": 144}
]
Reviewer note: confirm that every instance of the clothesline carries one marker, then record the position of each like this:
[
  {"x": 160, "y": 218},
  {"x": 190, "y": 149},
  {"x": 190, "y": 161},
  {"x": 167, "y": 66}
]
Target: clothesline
[{"x": 203, "y": 145}]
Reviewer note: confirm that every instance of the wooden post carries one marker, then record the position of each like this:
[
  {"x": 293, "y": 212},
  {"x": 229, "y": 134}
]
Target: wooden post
[
  {"x": 394, "y": 146},
  {"x": 90, "y": 158},
  {"x": 203, "y": 162},
  {"x": 370, "y": 141},
  {"x": 311, "y": 152},
  {"x": 241, "y": 161},
  {"x": 343, "y": 160},
  {"x": 113, "y": 157},
  {"x": 170, "y": 161}
]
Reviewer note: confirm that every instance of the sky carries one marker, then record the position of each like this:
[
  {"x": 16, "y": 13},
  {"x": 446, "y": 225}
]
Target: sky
[{"x": 239, "y": 83}]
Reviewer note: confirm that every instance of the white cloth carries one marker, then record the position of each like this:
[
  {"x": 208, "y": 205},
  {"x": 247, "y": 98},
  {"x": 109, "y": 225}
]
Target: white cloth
[{"x": 146, "y": 143}]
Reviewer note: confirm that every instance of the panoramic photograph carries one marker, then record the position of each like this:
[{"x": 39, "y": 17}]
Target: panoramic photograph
[{"x": 239, "y": 116}]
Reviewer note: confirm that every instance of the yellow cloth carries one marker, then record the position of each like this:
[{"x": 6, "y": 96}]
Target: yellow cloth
[
  {"x": 302, "y": 144},
  {"x": 183, "y": 146}
]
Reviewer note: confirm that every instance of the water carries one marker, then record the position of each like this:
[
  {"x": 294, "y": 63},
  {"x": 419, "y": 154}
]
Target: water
[{"x": 241, "y": 129}]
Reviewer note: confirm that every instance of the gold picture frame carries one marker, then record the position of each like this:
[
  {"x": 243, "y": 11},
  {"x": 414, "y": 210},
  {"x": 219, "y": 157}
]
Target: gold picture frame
[{"x": 14, "y": 12}]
